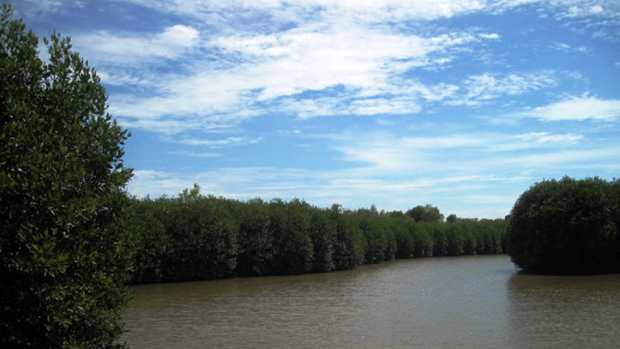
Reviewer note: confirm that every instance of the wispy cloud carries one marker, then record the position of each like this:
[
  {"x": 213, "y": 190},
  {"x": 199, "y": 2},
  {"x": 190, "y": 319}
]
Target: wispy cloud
[
  {"x": 235, "y": 74},
  {"x": 121, "y": 78},
  {"x": 558, "y": 46},
  {"x": 174, "y": 126},
  {"x": 576, "y": 108},
  {"x": 38, "y": 7},
  {"x": 547, "y": 138},
  {"x": 599, "y": 18},
  {"x": 481, "y": 88},
  {"x": 274, "y": 71},
  {"x": 350, "y": 55},
  {"x": 583, "y": 9},
  {"x": 537, "y": 140},
  {"x": 218, "y": 143},
  {"x": 132, "y": 49},
  {"x": 385, "y": 153},
  {"x": 404, "y": 170},
  {"x": 566, "y": 159},
  {"x": 197, "y": 155},
  {"x": 371, "y": 11}
]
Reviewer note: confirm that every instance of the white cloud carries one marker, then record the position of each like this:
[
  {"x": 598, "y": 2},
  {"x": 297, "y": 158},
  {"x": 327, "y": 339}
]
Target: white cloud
[
  {"x": 120, "y": 78},
  {"x": 36, "y": 7},
  {"x": 370, "y": 11},
  {"x": 565, "y": 159},
  {"x": 585, "y": 8},
  {"x": 197, "y": 155},
  {"x": 576, "y": 108},
  {"x": 172, "y": 126},
  {"x": 546, "y": 137},
  {"x": 537, "y": 140},
  {"x": 131, "y": 49},
  {"x": 218, "y": 12},
  {"x": 245, "y": 73},
  {"x": 349, "y": 55},
  {"x": 383, "y": 106},
  {"x": 166, "y": 127},
  {"x": 481, "y": 88},
  {"x": 600, "y": 17},
  {"x": 309, "y": 108},
  {"x": 218, "y": 143},
  {"x": 240, "y": 182},
  {"x": 596, "y": 9},
  {"x": 558, "y": 46},
  {"x": 383, "y": 153},
  {"x": 489, "y": 36},
  {"x": 271, "y": 71}
]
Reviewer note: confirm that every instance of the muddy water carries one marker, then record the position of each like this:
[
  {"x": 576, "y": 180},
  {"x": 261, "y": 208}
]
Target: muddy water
[{"x": 447, "y": 302}]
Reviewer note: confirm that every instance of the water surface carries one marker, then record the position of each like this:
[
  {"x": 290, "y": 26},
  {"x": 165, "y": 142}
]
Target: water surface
[{"x": 443, "y": 302}]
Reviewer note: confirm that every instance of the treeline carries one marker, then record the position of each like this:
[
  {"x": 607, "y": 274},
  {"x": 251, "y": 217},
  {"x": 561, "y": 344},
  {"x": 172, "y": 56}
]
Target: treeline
[{"x": 196, "y": 237}]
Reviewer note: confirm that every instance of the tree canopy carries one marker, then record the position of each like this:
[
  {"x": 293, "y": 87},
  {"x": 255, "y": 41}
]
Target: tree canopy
[
  {"x": 567, "y": 227},
  {"x": 64, "y": 250},
  {"x": 426, "y": 213}
]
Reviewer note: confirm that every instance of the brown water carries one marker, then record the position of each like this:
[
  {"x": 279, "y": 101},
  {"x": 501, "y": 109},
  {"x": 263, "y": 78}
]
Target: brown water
[{"x": 447, "y": 302}]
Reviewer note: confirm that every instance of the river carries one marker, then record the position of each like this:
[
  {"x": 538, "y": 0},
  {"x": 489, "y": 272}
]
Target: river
[{"x": 442, "y": 302}]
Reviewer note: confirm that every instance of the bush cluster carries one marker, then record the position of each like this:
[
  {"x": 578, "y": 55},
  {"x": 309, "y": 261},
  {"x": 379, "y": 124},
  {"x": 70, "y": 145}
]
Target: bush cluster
[
  {"x": 567, "y": 227},
  {"x": 196, "y": 237}
]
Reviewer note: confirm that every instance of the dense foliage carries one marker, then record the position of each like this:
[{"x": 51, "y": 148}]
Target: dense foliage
[
  {"x": 426, "y": 213},
  {"x": 567, "y": 227},
  {"x": 196, "y": 237},
  {"x": 64, "y": 252}
]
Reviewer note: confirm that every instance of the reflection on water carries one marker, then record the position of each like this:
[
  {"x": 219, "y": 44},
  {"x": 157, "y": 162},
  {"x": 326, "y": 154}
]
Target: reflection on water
[{"x": 447, "y": 302}]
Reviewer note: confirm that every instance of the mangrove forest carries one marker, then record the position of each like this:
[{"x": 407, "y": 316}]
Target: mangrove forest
[{"x": 197, "y": 237}]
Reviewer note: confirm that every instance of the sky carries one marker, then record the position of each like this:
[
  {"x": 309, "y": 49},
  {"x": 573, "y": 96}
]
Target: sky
[{"x": 461, "y": 104}]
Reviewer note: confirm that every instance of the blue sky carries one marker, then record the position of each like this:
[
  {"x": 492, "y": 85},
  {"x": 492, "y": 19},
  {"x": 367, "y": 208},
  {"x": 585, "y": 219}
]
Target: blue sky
[{"x": 458, "y": 104}]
